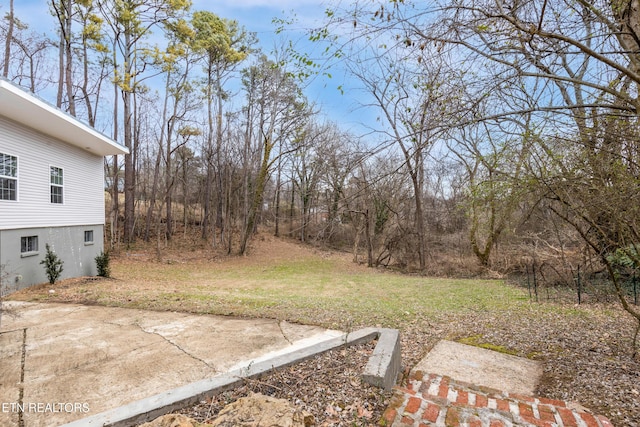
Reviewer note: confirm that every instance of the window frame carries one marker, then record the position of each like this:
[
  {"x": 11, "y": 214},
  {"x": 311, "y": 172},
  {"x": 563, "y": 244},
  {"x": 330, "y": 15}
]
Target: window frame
[
  {"x": 13, "y": 178},
  {"x": 88, "y": 233},
  {"x": 27, "y": 246},
  {"x": 59, "y": 186}
]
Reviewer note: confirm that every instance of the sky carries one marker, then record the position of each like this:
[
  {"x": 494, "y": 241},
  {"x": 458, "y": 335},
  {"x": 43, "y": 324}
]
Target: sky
[{"x": 256, "y": 16}]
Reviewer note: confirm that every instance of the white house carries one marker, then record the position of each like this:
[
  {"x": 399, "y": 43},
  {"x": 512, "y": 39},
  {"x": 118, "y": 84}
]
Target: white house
[{"x": 51, "y": 189}]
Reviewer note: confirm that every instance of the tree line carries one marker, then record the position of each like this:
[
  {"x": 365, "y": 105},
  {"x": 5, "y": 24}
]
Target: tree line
[{"x": 222, "y": 138}]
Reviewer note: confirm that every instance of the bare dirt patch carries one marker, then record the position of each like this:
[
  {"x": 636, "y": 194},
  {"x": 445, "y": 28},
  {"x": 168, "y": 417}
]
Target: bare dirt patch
[{"x": 265, "y": 249}]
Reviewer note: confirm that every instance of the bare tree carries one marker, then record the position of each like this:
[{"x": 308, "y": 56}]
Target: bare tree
[
  {"x": 278, "y": 109},
  {"x": 64, "y": 11},
  {"x": 26, "y": 64},
  {"x": 494, "y": 157},
  {"x": 412, "y": 98}
]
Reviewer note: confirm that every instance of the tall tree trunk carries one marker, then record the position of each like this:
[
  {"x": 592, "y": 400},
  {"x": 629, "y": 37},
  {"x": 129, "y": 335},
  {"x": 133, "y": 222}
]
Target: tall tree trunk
[
  {"x": 419, "y": 219},
  {"x": 129, "y": 171},
  {"x": 208, "y": 158},
  {"x": 68, "y": 70},
  {"x": 61, "y": 68},
  {"x": 156, "y": 171},
  {"x": 258, "y": 195},
  {"x": 207, "y": 196},
  {"x": 8, "y": 41},
  {"x": 367, "y": 234},
  {"x": 219, "y": 177},
  {"x": 169, "y": 181},
  {"x": 229, "y": 227},
  {"x": 85, "y": 83},
  {"x": 292, "y": 208},
  {"x": 154, "y": 195},
  {"x": 277, "y": 201},
  {"x": 185, "y": 188},
  {"x": 246, "y": 173},
  {"x": 64, "y": 11},
  {"x": 115, "y": 200}
]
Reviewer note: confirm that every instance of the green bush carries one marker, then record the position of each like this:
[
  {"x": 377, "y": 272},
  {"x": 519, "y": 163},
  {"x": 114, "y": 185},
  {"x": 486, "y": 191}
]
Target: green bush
[
  {"x": 52, "y": 265},
  {"x": 102, "y": 262}
]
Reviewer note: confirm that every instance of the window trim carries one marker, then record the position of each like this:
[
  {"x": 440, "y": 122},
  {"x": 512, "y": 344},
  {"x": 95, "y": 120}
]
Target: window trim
[
  {"x": 12, "y": 178},
  {"x": 88, "y": 242},
  {"x": 53, "y": 185},
  {"x": 32, "y": 251}
]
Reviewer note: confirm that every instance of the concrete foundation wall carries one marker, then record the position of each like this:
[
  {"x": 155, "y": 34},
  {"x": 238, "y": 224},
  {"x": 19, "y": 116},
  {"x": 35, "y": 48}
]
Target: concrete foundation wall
[{"x": 21, "y": 269}]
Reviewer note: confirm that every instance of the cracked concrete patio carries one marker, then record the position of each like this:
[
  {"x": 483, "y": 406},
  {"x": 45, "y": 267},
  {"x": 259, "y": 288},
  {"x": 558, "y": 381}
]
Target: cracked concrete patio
[{"x": 63, "y": 362}]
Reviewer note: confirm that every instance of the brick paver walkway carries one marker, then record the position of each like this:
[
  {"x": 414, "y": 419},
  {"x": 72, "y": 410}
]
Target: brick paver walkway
[{"x": 434, "y": 400}]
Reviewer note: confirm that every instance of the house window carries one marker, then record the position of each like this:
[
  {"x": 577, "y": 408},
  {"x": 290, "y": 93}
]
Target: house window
[
  {"x": 8, "y": 177},
  {"x": 88, "y": 237},
  {"x": 28, "y": 245},
  {"x": 56, "y": 185}
]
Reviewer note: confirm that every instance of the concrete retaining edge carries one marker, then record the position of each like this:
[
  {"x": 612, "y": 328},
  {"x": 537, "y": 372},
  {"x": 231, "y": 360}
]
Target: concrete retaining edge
[
  {"x": 381, "y": 370},
  {"x": 385, "y": 362}
]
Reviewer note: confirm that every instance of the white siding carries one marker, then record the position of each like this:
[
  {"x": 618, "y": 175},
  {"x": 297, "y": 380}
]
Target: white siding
[{"x": 36, "y": 152}]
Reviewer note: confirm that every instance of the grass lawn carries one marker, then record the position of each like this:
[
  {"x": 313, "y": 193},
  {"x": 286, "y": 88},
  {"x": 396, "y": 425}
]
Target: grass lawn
[{"x": 285, "y": 281}]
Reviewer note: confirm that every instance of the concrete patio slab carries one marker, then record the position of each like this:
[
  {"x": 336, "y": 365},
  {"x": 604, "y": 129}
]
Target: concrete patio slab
[
  {"x": 481, "y": 367},
  {"x": 141, "y": 411},
  {"x": 64, "y": 362}
]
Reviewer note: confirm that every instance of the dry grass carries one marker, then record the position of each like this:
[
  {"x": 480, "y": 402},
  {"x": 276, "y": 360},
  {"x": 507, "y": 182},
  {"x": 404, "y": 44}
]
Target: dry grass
[{"x": 279, "y": 279}]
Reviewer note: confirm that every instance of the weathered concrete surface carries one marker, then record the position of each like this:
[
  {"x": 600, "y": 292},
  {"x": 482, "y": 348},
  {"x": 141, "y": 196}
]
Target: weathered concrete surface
[
  {"x": 149, "y": 408},
  {"x": 10, "y": 363},
  {"x": 81, "y": 360},
  {"x": 385, "y": 362},
  {"x": 482, "y": 367}
]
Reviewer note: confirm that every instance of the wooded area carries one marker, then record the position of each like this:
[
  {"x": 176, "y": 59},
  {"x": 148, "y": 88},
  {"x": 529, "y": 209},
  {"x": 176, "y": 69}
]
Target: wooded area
[{"x": 507, "y": 131}]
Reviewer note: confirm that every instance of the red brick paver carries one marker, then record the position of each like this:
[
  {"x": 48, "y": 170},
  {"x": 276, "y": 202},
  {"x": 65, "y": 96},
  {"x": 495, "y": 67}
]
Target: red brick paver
[{"x": 438, "y": 401}]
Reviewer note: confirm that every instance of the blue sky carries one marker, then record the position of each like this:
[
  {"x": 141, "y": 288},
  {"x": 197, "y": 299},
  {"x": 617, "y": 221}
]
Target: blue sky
[{"x": 256, "y": 16}]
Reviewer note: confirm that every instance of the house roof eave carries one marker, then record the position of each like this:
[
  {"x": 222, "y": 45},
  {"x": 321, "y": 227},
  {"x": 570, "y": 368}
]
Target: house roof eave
[{"x": 35, "y": 113}]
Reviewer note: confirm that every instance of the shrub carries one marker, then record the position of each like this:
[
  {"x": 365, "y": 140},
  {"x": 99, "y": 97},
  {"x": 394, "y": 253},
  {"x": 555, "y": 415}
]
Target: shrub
[
  {"x": 52, "y": 265},
  {"x": 102, "y": 262}
]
